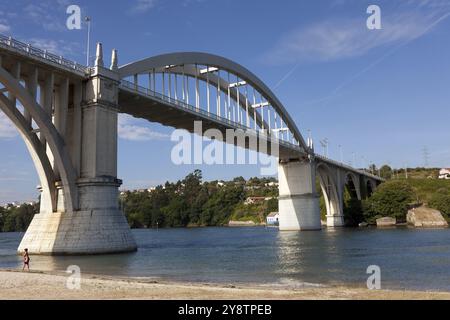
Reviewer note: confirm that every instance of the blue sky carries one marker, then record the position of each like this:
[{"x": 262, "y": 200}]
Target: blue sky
[{"x": 381, "y": 94}]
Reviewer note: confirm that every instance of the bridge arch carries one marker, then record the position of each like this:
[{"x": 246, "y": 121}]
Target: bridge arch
[
  {"x": 370, "y": 186},
  {"x": 37, "y": 152},
  {"x": 61, "y": 158},
  {"x": 330, "y": 191},
  {"x": 262, "y": 110},
  {"x": 352, "y": 184}
]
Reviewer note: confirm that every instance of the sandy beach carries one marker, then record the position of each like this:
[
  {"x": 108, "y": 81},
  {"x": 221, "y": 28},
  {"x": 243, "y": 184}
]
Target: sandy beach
[{"x": 16, "y": 284}]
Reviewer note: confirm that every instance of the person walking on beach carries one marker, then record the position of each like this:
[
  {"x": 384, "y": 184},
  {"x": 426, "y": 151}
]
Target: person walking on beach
[{"x": 26, "y": 260}]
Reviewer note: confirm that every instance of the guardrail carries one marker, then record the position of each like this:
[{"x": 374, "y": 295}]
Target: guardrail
[
  {"x": 343, "y": 165},
  {"x": 178, "y": 103},
  {"x": 28, "y": 49}
]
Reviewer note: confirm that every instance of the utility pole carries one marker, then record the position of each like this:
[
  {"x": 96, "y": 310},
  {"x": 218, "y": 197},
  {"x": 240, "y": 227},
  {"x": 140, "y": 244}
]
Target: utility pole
[{"x": 88, "y": 21}]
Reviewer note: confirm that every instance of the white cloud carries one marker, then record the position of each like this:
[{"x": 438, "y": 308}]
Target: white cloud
[
  {"x": 7, "y": 130},
  {"x": 4, "y": 28},
  {"x": 58, "y": 47},
  {"x": 142, "y": 6},
  {"x": 129, "y": 129},
  {"x": 50, "y": 15},
  {"x": 341, "y": 38}
]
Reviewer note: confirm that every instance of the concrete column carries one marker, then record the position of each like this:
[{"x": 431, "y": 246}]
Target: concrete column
[
  {"x": 16, "y": 74},
  {"x": 62, "y": 106},
  {"x": 60, "y": 114},
  {"x": 99, "y": 133},
  {"x": 31, "y": 85},
  {"x": 77, "y": 126},
  {"x": 46, "y": 99},
  {"x": 98, "y": 226},
  {"x": 335, "y": 213},
  {"x": 298, "y": 200}
]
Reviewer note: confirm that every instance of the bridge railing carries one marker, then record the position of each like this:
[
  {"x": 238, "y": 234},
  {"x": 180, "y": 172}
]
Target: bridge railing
[
  {"x": 179, "y": 103},
  {"x": 343, "y": 165},
  {"x": 28, "y": 49}
]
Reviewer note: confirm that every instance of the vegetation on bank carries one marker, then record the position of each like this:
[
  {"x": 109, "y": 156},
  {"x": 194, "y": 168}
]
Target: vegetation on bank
[
  {"x": 17, "y": 218},
  {"x": 394, "y": 197},
  {"x": 194, "y": 202}
]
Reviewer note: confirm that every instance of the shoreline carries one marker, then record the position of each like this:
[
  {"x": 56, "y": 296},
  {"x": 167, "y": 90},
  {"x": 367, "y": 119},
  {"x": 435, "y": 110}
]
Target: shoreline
[{"x": 17, "y": 284}]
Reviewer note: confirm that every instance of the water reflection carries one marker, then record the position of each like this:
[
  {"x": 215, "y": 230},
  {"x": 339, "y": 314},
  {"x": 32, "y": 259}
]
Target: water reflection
[
  {"x": 108, "y": 264},
  {"x": 413, "y": 259}
]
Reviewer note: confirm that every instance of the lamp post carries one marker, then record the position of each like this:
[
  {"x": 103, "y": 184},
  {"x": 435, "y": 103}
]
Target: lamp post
[{"x": 88, "y": 21}]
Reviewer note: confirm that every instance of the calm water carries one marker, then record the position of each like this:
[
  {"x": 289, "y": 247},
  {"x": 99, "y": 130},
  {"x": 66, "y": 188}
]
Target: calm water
[{"x": 410, "y": 259}]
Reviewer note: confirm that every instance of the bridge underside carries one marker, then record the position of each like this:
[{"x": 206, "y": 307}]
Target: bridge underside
[{"x": 182, "y": 117}]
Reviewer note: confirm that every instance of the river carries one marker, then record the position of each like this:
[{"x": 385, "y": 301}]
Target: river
[{"x": 409, "y": 258}]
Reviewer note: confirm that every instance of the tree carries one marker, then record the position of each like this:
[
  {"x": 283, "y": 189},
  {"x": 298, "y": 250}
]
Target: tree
[
  {"x": 373, "y": 168},
  {"x": 441, "y": 202},
  {"x": 352, "y": 209},
  {"x": 386, "y": 172},
  {"x": 2, "y": 216},
  {"x": 219, "y": 207},
  {"x": 176, "y": 212},
  {"x": 391, "y": 199}
]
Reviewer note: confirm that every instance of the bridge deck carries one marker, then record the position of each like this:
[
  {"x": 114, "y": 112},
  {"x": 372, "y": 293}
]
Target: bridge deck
[
  {"x": 142, "y": 103},
  {"x": 13, "y": 49},
  {"x": 155, "y": 107}
]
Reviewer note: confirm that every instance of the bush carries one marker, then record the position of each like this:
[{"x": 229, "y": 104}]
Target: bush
[
  {"x": 391, "y": 199},
  {"x": 441, "y": 202}
]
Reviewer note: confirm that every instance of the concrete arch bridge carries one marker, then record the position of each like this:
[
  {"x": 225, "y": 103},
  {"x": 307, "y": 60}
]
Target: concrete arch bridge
[{"x": 67, "y": 115}]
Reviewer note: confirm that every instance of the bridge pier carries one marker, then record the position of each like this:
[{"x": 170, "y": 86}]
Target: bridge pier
[
  {"x": 86, "y": 117},
  {"x": 335, "y": 220},
  {"x": 298, "y": 200}
]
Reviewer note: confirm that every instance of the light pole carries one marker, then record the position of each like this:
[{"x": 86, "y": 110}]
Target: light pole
[
  {"x": 324, "y": 144},
  {"x": 364, "y": 163},
  {"x": 88, "y": 21}
]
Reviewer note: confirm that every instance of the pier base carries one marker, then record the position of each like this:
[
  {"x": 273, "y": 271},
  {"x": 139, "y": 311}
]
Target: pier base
[
  {"x": 298, "y": 201},
  {"x": 81, "y": 232}
]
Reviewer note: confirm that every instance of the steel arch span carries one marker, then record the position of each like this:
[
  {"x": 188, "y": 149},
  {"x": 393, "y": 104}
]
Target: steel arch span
[{"x": 236, "y": 93}]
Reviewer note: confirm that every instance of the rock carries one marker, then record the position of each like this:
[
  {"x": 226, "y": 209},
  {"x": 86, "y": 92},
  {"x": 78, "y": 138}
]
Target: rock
[
  {"x": 424, "y": 217},
  {"x": 232, "y": 223},
  {"x": 386, "y": 222},
  {"x": 363, "y": 225}
]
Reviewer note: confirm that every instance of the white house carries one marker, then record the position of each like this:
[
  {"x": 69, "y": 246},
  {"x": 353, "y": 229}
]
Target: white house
[
  {"x": 444, "y": 174},
  {"x": 272, "y": 218}
]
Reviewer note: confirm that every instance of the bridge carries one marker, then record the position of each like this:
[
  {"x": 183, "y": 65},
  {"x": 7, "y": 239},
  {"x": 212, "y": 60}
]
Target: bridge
[{"x": 67, "y": 115}]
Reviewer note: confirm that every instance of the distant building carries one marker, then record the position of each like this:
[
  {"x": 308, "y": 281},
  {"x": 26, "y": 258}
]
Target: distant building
[
  {"x": 444, "y": 173},
  {"x": 272, "y": 218}
]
